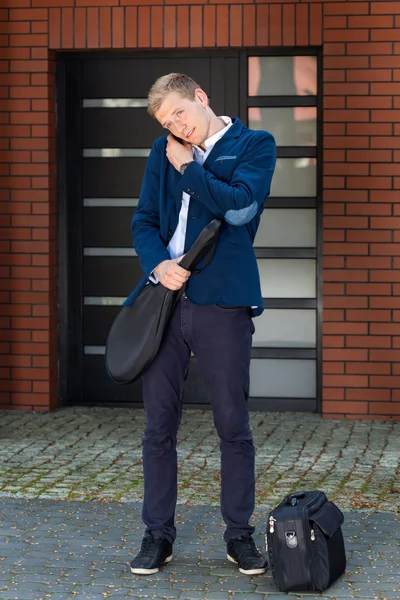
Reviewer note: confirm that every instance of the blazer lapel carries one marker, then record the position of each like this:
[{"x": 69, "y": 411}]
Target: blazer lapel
[{"x": 223, "y": 144}]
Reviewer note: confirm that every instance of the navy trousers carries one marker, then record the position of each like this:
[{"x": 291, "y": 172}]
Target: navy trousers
[{"x": 220, "y": 338}]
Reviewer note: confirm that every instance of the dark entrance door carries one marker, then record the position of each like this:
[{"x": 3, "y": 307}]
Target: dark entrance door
[
  {"x": 105, "y": 136},
  {"x": 109, "y": 136}
]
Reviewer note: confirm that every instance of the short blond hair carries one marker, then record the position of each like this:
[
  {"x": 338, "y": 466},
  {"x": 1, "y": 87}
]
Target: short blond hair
[{"x": 174, "y": 82}]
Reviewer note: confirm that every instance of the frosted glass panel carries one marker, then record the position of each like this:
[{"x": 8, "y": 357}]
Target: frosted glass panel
[
  {"x": 295, "y": 177},
  {"x": 282, "y": 75},
  {"x": 280, "y": 378},
  {"x": 286, "y": 125},
  {"x": 287, "y": 228},
  {"x": 285, "y": 328},
  {"x": 287, "y": 277}
]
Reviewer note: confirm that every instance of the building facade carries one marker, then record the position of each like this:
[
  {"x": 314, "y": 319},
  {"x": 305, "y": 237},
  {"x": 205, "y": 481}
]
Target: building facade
[{"x": 324, "y": 77}]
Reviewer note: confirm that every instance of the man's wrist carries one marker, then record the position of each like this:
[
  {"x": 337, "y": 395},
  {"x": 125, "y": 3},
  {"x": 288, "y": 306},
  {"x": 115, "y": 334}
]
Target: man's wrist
[{"x": 184, "y": 166}]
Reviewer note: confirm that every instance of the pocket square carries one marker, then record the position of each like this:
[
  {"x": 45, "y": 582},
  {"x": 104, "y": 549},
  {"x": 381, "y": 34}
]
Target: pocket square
[{"x": 226, "y": 158}]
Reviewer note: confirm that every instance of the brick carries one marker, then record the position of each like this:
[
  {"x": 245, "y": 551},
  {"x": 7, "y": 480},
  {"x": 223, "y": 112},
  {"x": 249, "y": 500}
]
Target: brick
[
  {"x": 368, "y": 368},
  {"x": 347, "y": 115},
  {"x": 367, "y": 395},
  {"x": 369, "y": 182},
  {"x": 345, "y": 407},
  {"x": 370, "y": 21},
  {"x": 369, "y": 289},
  {"x": 222, "y": 25},
  {"x": 345, "y": 222},
  {"x": 302, "y": 24},
  {"x": 369, "y": 75},
  {"x": 392, "y": 408},
  {"x": 117, "y": 19},
  {"x": 333, "y": 262},
  {"x": 368, "y": 341},
  {"x": 333, "y": 368},
  {"x": 261, "y": 25},
  {"x": 346, "y": 249},
  {"x": 249, "y": 23},
  {"x": 345, "y": 196},
  {"x": 28, "y": 14},
  {"x": 170, "y": 26},
  {"x": 385, "y": 381},
  {"x": 369, "y": 48},
  {"x": 384, "y": 302},
  {"x": 384, "y": 328},
  {"x": 385, "y": 249},
  {"x": 275, "y": 25},
  {"x": 369, "y": 102},
  {"x": 384, "y": 196},
  {"x": 334, "y": 48},
  {"x": 378, "y": 35},
  {"x": 345, "y": 354},
  {"x": 382, "y": 116},
  {"x": 351, "y": 8},
  {"x": 332, "y": 394},
  {"x": 93, "y": 19},
  {"x": 315, "y": 26},
  {"x": 344, "y": 35},
  {"x": 370, "y": 262},
  {"x": 380, "y": 8},
  {"x": 334, "y": 235},
  {"x": 288, "y": 18},
  {"x": 333, "y": 341},
  {"x": 369, "y": 129},
  {"x": 333, "y": 75},
  {"x": 196, "y": 26},
  {"x": 345, "y": 328},
  {"x": 345, "y": 302}
]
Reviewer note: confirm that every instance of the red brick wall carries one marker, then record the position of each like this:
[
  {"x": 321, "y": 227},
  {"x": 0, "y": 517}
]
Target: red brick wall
[{"x": 361, "y": 201}]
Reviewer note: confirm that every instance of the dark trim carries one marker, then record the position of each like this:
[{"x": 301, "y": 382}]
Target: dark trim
[
  {"x": 290, "y": 302},
  {"x": 305, "y": 405},
  {"x": 70, "y": 211},
  {"x": 285, "y": 252},
  {"x": 296, "y": 152},
  {"x": 299, "y": 353},
  {"x": 319, "y": 270},
  {"x": 62, "y": 232},
  {"x": 283, "y": 51},
  {"x": 280, "y": 101}
]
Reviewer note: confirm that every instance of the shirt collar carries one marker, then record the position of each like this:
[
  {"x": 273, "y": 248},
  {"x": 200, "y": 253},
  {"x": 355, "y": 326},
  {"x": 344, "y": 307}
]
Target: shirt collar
[{"x": 211, "y": 141}]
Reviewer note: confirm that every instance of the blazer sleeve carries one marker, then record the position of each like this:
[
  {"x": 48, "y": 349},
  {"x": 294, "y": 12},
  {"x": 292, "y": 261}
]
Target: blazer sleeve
[
  {"x": 243, "y": 197},
  {"x": 145, "y": 225}
]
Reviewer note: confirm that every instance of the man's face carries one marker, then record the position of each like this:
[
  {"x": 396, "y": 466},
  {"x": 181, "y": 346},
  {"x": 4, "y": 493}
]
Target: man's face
[{"x": 186, "y": 119}]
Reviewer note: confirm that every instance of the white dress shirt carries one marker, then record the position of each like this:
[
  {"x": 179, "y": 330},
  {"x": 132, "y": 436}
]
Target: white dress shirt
[{"x": 176, "y": 245}]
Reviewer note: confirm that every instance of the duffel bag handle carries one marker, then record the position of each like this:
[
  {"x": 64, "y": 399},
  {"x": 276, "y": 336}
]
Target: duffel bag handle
[{"x": 292, "y": 498}]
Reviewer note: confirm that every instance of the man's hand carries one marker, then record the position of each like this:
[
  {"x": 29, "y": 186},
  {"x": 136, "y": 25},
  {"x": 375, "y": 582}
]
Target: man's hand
[
  {"x": 171, "y": 275},
  {"x": 178, "y": 153}
]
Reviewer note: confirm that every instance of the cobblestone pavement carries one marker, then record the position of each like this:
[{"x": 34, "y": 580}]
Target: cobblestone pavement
[
  {"x": 95, "y": 454},
  {"x": 71, "y": 484},
  {"x": 80, "y": 551}
]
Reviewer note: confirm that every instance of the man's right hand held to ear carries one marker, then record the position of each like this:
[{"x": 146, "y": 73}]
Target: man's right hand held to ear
[{"x": 171, "y": 275}]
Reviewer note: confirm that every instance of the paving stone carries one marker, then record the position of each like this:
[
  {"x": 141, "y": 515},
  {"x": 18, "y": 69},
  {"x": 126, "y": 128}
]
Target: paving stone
[{"x": 85, "y": 546}]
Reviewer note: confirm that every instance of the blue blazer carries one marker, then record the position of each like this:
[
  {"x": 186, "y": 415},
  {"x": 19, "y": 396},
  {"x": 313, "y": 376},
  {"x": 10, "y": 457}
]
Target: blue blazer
[{"x": 232, "y": 185}]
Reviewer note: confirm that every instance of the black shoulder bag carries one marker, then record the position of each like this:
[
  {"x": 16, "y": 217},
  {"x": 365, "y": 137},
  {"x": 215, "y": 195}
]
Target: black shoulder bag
[{"x": 136, "y": 334}]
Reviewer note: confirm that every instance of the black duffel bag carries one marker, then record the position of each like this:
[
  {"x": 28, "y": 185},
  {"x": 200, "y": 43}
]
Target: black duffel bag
[
  {"x": 136, "y": 334},
  {"x": 304, "y": 542}
]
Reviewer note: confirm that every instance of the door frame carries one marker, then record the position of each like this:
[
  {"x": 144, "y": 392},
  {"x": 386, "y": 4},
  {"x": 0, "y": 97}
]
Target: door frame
[{"x": 69, "y": 194}]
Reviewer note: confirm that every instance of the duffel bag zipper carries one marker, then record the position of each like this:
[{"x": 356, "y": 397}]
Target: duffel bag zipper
[
  {"x": 311, "y": 543},
  {"x": 273, "y": 550}
]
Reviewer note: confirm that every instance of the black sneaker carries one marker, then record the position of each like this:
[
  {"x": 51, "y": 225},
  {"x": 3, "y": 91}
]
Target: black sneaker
[
  {"x": 153, "y": 553},
  {"x": 244, "y": 553}
]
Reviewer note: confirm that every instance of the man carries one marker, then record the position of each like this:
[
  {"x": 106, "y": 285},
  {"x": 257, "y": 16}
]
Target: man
[{"x": 207, "y": 167}]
